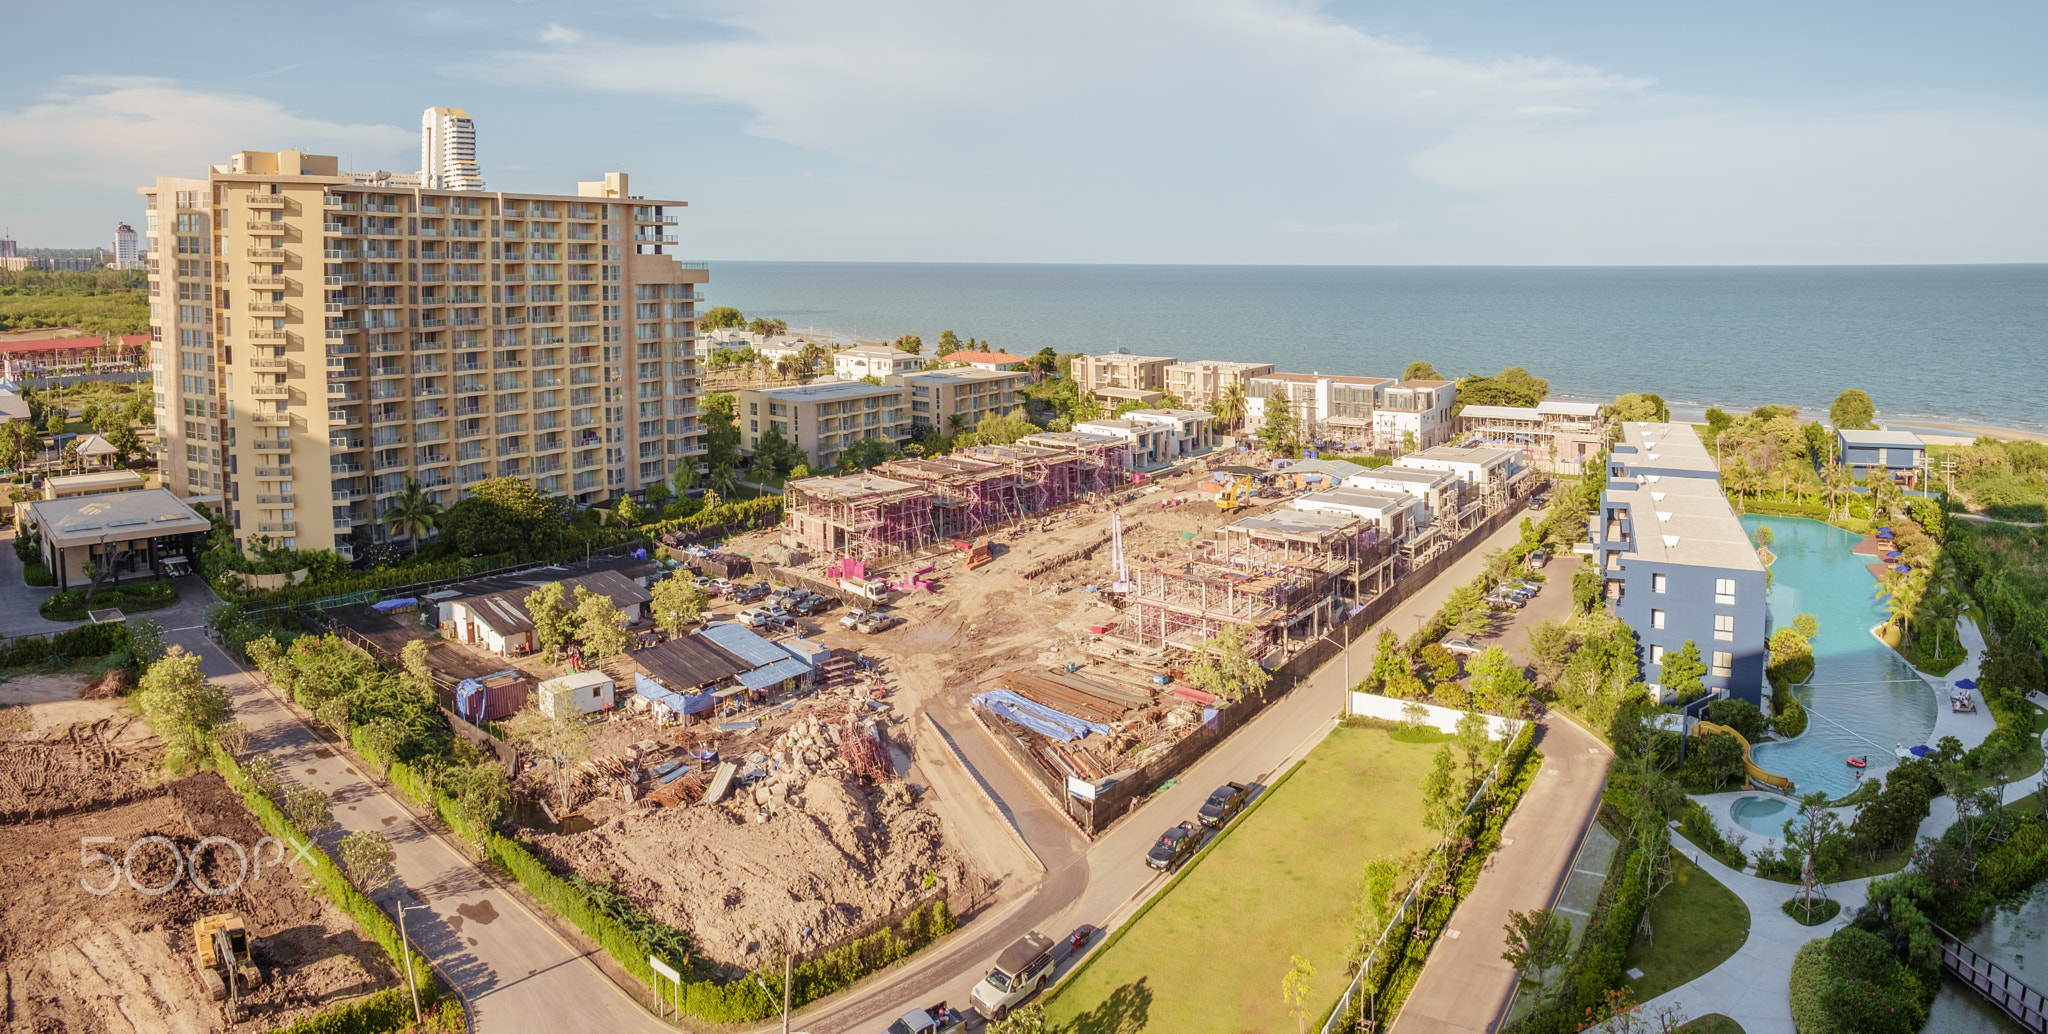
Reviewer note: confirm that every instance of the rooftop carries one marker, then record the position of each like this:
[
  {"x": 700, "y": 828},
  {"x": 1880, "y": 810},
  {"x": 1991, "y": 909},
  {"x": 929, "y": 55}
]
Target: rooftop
[
  {"x": 1405, "y": 475},
  {"x": 102, "y": 479},
  {"x": 1673, "y": 492},
  {"x": 1121, "y": 425},
  {"x": 1453, "y": 454},
  {"x": 1895, "y": 439},
  {"x": 1140, "y": 394},
  {"x": 1295, "y": 522},
  {"x": 981, "y": 357},
  {"x": 851, "y": 486},
  {"x": 1570, "y": 408},
  {"x": 825, "y": 391},
  {"x": 1128, "y": 357},
  {"x": 1355, "y": 498},
  {"x": 969, "y": 374},
  {"x": 1423, "y": 384},
  {"x": 1221, "y": 364},
  {"x": 1176, "y": 414},
  {"x": 115, "y": 517}
]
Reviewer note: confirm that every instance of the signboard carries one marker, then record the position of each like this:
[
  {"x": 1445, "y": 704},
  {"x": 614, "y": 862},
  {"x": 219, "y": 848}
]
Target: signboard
[
  {"x": 663, "y": 969},
  {"x": 1081, "y": 789}
]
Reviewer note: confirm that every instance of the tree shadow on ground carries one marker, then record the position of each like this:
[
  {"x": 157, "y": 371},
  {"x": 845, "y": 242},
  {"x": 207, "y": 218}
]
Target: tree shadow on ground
[{"x": 1127, "y": 1010}]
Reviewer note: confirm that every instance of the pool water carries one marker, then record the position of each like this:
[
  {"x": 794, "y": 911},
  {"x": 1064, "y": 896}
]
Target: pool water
[
  {"x": 1862, "y": 699},
  {"x": 1762, "y": 815}
]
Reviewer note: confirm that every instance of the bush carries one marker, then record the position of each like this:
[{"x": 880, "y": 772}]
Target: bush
[
  {"x": 385, "y": 1011},
  {"x": 1790, "y": 720},
  {"x": 1739, "y": 715},
  {"x": 37, "y": 575},
  {"x": 1823, "y": 910},
  {"x": 1809, "y": 981},
  {"x": 71, "y": 604},
  {"x": 86, "y": 641}
]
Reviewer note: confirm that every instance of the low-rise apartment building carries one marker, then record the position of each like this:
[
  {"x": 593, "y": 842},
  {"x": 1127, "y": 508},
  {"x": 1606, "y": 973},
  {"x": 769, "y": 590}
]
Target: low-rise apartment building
[
  {"x": 1899, "y": 453},
  {"x": 1190, "y": 432},
  {"x": 1325, "y": 405},
  {"x": 956, "y": 399},
  {"x": 1559, "y": 437},
  {"x": 1441, "y": 492},
  {"x": 1678, "y": 564},
  {"x": 1414, "y": 415},
  {"x": 1476, "y": 467},
  {"x": 1148, "y": 442},
  {"x": 824, "y": 417},
  {"x": 874, "y": 361},
  {"x": 1120, "y": 370},
  {"x": 1203, "y": 381},
  {"x": 1396, "y": 516},
  {"x": 986, "y": 360}
]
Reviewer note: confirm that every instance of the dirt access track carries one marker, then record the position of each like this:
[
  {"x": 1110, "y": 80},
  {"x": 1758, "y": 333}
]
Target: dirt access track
[{"x": 123, "y": 961}]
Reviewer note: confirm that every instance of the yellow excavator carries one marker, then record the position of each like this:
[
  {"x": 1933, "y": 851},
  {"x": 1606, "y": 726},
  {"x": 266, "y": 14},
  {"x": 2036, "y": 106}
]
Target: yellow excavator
[
  {"x": 221, "y": 945},
  {"x": 1237, "y": 491}
]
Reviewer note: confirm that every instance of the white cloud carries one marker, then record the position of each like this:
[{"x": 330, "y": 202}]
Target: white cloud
[
  {"x": 91, "y": 140},
  {"x": 557, "y": 34}
]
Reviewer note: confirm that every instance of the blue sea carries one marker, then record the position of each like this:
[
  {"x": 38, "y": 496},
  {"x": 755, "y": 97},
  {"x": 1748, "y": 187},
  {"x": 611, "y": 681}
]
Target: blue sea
[{"x": 1967, "y": 344}]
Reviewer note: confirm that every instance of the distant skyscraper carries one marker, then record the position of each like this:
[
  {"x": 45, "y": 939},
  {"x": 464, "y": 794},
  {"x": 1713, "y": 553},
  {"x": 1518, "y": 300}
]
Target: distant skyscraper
[
  {"x": 448, "y": 151},
  {"x": 127, "y": 252},
  {"x": 6, "y": 247}
]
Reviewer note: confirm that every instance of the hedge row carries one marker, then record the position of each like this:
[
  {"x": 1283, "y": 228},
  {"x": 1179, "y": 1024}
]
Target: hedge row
[
  {"x": 765, "y": 510},
  {"x": 83, "y": 641},
  {"x": 331, "y": 880},
  {"x": 1425, "y": 924},
  {"x": 1600, "y": 964},
  {"x": 71, "y": 604}
]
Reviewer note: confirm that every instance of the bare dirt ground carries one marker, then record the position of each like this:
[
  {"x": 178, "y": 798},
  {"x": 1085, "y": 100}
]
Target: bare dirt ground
[
  {"x": 807, "y": 844},
  {"x": 123, "y": 961}
]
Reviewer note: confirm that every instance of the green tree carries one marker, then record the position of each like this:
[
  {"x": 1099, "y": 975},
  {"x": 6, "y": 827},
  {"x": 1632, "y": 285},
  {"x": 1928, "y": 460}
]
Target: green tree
[
  {"x": 18, "y": 443},
  {"x": 1442, "y": 804},
  {"x": 125, "y": 441},
  {"x": 866, "y": 453},
  {"x": 553, "y": 623},
  {"x": 1537, "y": 940},
  {"x": 1223, "y": 664},
  {"x": 949, "y": 343},
  {"x": 1229, "y": 407},
  {"x": 599, "y": 625},
  {"x": 1419, "y": 370},
  {"x": 504, "y": 515},
  {"x": 1852, "y": 410},
  {"x": 1681, "y": 673},
  {"x": 1498, "y": 683},
  {"x": 145, "y": 642},
  {"x": 767, "y": 328},
  {"x": 721, "y": 429},
  {"x": 910, "y": 343},
  {"x": 308, "y": 809},
  {"x": 720, "y": 317},
  {"x": 1473, "y": 737},
  {"x": 1816, "y": 833},
  {"x": 1550, "y": 648},
  {"x": 562, "y": 738},
  {"x": 678, "y": 603},
  {"x": 369, "y": 859},
  {"x": 774, "y": 453},
  {"x": 1279, "y": 427},
  {"x": 1389, "y": 662},
  {"x": 413, "y": 514},
  {"x": 1295, "y": 989},
  {"x": 626, "y": 511},
  {"x": 1640, "y": 407},
  {"x": 181, "y": 706},
  {"x": 1441, "y": 664}
]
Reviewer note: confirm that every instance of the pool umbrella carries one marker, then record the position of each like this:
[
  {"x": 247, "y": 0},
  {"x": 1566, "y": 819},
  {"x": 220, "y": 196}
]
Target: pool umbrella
[
  {"x": 1966, "y": 683},
  {"x": 1893, "y": 555},
  {"x": 1884, "y": 533},
  {"x": 1903, "y": 569}
]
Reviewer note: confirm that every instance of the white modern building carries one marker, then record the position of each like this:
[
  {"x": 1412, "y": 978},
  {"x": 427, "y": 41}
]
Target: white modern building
[
  {"x": 1148, "y": 442},
  {"x": 127, "y": 247},
  {"x": 1190, "y": 432},
  {"x": 1439, "y": 490},
  {"x": 448, "y": 151},
  {"x": 1472, "y": 466},
  {"x": 1414, "y": 410},
  {"x": 874, "y": 361},
  {"x": 1396, "y": 516}
]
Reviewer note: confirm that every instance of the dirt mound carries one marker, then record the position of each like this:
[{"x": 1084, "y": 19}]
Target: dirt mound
[
  {"x": 805, "y": 846},
  {"x": 122, "y": 960},
  {"x": 113, "y": 684}
]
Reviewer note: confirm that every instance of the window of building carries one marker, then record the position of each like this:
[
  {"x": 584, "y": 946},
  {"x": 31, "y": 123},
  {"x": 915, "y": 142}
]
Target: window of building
[
  {"x": 1656, "y": 619},
  {"x": 1656, "y": 654},
  {"x": 1724, "y": 627},
  {"x": 1657, "y": 583},
  {"x": 1724, "y": 591},
  {"x": 1724, "y": 663}
]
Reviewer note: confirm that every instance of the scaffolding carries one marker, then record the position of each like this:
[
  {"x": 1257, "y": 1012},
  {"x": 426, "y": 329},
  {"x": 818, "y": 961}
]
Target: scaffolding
[
  {"x": 1285, "y": 577},
  {"x": 863, "y": 516}
]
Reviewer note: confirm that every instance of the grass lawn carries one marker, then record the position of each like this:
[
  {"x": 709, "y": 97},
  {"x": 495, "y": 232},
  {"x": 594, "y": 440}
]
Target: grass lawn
[
  {"x": 1695, "y": 925},
  {"x": 1712, "y": 1023},
  {"x": 1210, "y": 955}
]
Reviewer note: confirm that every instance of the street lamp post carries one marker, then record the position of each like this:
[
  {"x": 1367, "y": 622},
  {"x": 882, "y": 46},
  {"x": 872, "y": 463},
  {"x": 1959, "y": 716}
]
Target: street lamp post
[{"x": 406, "y": 942}]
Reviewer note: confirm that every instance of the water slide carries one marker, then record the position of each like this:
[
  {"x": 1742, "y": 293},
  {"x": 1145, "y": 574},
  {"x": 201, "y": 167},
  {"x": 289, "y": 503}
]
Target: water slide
[{"x": 1767, "y": 778}]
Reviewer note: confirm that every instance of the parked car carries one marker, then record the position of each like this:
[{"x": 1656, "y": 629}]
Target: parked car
[
  {"x": 877, "y": 620},
  {"x": 932, "y": 1019},
  {"x": 1503, "y": 601},
  {"x": 852, "y": 618},
  {"x": 813, "y": 603},
  {"x": 1224, "y": 804},
  {"x": 1461, "y": 646},
  {"x": 1023, "y": 968},
  {"x": 705, "y": 585},
  {"x": 764, "y": 616},
  {"x": 1174, "y": 847}
]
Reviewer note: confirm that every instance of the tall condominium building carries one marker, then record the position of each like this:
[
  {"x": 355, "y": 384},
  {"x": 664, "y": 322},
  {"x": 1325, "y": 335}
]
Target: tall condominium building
[
  {"x": 1678, "y": 565},
  {"x": 319, "y": 337},
  {"x": 127, "y": 247},
  {"x": 448, "y": 151}
]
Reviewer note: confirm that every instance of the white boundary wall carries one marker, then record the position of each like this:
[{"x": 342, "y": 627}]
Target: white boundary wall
[{"x": 1445, "y": 719}]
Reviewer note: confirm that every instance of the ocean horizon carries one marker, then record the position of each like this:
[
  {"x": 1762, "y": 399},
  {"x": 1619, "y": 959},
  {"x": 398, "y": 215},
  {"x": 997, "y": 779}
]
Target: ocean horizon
[{"x": 1957, "y": 343}]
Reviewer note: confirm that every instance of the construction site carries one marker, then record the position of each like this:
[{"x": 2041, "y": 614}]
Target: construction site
[{"x": 76, "y": 763}]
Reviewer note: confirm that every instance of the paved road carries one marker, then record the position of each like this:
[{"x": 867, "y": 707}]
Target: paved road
[
  {"x": 1466, "y": 984},
  {"x": 515, "y": 972},
  {"x": 1103, "y": 886}
]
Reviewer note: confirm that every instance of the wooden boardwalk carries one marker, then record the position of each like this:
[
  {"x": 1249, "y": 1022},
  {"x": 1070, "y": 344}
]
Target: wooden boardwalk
[{"x": 2025, "y": 1005}]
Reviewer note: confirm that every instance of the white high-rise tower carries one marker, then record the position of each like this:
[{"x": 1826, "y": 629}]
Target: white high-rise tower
[
  {"x": 448, "y": 151},
  {"x": 127, "y": 254}
]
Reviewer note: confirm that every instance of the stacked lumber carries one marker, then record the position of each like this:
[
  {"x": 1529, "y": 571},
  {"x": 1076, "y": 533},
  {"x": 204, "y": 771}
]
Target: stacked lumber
[{"x": 1069, "y": 694}]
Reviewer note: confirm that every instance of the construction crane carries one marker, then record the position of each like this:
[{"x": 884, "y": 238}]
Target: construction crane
[{"x": 226, "y": 964}]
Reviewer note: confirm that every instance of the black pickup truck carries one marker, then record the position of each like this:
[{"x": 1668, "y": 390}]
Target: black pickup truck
[{"x": 1224, "y": 804}]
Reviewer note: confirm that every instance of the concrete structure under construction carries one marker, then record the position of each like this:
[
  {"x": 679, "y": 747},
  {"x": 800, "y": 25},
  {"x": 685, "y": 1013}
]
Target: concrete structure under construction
[
  {"x": 1414, "y": 415},
  {"x": 1392, "y": 516},
  {"x": 1558, "y": 437},
  {"x": 908, "y": 504}
]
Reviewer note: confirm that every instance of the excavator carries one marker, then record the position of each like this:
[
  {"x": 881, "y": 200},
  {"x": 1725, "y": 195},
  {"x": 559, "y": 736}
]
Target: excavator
[
  {"x": 226, "y": 965},
  {"x": 1237, "y": 491}
]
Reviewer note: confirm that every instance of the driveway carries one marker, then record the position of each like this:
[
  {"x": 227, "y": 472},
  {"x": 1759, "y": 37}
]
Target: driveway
[{"x": 19, "y": 601}]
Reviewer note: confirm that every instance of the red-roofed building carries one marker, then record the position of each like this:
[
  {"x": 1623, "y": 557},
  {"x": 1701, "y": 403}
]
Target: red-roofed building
[
  {"x": 52, "y": 355},
  {"x": 985, "y": 360}
]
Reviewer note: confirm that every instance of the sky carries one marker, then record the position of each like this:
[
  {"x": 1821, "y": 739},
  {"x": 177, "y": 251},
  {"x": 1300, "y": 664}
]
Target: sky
[{"x": 1461, "y": 132}]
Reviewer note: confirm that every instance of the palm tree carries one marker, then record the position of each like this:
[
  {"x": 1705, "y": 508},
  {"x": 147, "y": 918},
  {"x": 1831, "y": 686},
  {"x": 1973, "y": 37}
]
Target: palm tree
[
  {"x": 413, "y": 514},
  {"x": 1229, "y": 406},
  {"x": 1841, "y": 484},
  {"x": 723, "y": 480}
]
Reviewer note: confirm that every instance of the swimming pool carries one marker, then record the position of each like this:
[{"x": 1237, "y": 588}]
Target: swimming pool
[
  {"x": 1763, "y": 815},
  {"x": 1862, "y": 699}
]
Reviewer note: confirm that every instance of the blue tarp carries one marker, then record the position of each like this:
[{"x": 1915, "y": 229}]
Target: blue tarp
[
  {"x": 1037, "y": 717},
  {"x": 786, "y": 668},
  {"x": 390, "y": 605}
]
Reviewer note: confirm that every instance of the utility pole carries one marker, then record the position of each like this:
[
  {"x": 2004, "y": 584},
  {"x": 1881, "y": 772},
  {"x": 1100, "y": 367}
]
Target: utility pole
[{"x": 406, "y": 942}]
